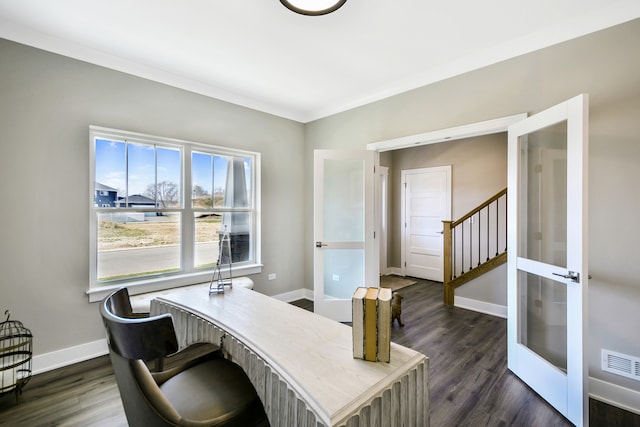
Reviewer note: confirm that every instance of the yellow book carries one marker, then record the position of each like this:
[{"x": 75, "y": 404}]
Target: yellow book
[
  {"x": 384, "y": 324},
  {"x": 371, "y": 325},
  {"x": 357, "y": 322}
]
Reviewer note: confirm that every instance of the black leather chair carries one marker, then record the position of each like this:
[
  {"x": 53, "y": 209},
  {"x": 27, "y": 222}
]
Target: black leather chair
[{"x": 207, "y": 391}]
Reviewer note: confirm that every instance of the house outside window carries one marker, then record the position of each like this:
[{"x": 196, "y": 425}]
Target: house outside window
[
  {"x": 160, "y": 207},
  {"x": 105, "y": 196}
]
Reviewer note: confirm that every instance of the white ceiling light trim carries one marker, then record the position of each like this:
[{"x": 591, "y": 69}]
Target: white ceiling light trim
[{"x": 313, "y": 7}]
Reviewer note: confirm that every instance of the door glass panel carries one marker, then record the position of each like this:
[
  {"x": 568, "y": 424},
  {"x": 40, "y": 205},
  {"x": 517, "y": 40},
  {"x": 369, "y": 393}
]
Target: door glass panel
[
  {"x": 343, "y": 272},
  {"x": 543, "y": 183},
  {"x": 344, "y": 200},
  {"x": 543, "y": 322}
]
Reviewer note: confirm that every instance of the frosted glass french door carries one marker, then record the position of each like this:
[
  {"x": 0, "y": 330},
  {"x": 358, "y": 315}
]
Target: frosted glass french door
[
  {"x": 547, "y": 244},
  {"x": 345, "y": 250}
]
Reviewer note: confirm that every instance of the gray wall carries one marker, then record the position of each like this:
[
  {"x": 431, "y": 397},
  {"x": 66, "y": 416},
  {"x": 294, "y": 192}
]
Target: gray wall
[
  {"x": 47, "y": 103},
  {"x": 478, "y": 171},
  {"x": 606, "y": 65}
]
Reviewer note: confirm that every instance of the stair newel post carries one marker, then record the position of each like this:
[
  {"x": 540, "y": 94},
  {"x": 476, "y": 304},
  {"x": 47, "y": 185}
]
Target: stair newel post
[{"x": 447, "y": 255}]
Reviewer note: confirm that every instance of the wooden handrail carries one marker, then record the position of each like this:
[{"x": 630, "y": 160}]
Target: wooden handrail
[
  {"x": 449, "y": 283},
  {"x": 479, "y": 208}
]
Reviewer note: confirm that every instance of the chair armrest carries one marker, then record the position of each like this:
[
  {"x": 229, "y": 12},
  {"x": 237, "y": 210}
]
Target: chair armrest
[
  {"x": 185, "y": 359},
  {"x": 152, "y": 392}
]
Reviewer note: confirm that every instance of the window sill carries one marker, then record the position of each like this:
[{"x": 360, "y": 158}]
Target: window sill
[{"x": 98, "y": 293}]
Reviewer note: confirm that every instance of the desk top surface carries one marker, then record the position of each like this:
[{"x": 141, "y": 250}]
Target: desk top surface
[{"x": 314, "y": 353}]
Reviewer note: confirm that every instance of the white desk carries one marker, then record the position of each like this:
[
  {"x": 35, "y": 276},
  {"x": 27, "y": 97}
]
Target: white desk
[{"x": 302, "y": 364}]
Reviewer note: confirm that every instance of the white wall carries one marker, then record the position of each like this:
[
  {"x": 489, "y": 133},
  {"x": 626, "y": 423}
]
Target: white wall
[{"x": 47, "y": 103}]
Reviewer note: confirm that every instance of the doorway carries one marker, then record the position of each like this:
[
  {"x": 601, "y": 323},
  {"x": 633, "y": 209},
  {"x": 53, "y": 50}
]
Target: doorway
[{"x": 488, "y": 128}]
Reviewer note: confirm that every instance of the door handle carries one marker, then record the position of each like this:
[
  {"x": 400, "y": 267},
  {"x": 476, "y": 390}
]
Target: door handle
[
  {"x": 440, "y": 232},
  {"x": 575, "y": 277},
  {"x": 320, "y": 244}
]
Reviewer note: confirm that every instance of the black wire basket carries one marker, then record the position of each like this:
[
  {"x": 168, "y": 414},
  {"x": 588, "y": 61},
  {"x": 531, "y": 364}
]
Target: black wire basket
[{"x": 16, "y": 343}]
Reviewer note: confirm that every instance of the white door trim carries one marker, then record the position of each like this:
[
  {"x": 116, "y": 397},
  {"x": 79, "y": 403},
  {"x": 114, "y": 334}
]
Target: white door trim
[
  {"x": 486, "y": 127},
  {"x": 382, "y": 207}
]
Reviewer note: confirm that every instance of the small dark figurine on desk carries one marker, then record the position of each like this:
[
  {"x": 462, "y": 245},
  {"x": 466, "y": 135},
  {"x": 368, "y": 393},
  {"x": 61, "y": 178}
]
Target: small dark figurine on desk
[{"x": 396, "y": 308}]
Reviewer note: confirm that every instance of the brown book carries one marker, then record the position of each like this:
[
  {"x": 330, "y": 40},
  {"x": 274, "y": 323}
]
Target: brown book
[
  {"x": 357, "y": 319},
  {"x": 371, "y": 324},
  {"x": 384, "y": 324}
]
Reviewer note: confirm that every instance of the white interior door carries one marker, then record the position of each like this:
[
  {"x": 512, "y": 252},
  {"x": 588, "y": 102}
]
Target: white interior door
[
  {"x": 346, "y": 249},
  {"x": 547, "y": 267},
  {"x": 426, "y": 203}
]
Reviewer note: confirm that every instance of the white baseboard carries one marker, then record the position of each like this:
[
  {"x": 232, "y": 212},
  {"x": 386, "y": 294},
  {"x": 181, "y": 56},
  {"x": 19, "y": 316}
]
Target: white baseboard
[
  {"x": 615, "y": 395},
  {"x": 480, "y": 306},
  {"x": 395, "y": 270},
  {"x": 68, "y": 356},
  {"x": 302, "y": 293}
]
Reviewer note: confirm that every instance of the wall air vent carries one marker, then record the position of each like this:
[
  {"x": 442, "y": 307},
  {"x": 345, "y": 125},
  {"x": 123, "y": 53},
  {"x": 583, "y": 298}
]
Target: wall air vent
[{"x": 621, "y": 364}]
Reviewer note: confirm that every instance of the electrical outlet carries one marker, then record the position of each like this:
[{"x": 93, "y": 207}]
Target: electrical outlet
[
  {"x": 336, "y": 278},
  {"x": 272, "y": 276}
]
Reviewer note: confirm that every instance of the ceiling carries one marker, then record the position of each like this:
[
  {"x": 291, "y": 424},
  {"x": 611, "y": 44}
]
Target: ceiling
[{"x": 260, "y": 55}]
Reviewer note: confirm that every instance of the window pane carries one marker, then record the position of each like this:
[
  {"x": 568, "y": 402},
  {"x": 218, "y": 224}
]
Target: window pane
[
  {"x": 201, "y": 178},
  {"x": 141, "y": 172},
  {"x": 134, "y": 244},
  {"x": 239, "y": 226},
  {"x": 236, "y": 190},
  {"x": 220, "y": 168},
  {"x": 168, "y": 172},
  {"x": 110, "y": 172},
  {"x": 206, "y": 248}
]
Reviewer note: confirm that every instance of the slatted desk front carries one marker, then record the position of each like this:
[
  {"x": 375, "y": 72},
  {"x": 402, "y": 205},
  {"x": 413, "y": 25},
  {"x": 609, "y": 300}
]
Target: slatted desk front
[{"x": 301, "y": 363}]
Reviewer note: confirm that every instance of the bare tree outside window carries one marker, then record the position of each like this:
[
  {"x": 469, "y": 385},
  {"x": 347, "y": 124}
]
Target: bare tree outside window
[{"x": 166, "y": 194}]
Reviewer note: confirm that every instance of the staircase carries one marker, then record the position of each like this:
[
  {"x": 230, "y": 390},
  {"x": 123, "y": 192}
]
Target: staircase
[{"x": 475, "y": 244}]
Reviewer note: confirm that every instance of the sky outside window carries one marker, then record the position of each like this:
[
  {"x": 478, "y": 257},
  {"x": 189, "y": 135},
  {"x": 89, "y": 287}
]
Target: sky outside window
[{"x": 111, "y": 165}]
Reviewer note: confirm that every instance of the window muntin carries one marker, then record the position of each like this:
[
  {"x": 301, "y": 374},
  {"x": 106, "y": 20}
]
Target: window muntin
[{"x": 150, "y": 213}]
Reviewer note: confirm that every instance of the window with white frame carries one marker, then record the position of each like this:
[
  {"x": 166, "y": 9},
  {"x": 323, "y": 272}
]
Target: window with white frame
[{"x": 174, "y": 201}]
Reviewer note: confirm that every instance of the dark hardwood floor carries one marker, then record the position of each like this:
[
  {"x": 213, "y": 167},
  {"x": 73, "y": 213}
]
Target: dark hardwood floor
[{"x": 469, "y": 381}]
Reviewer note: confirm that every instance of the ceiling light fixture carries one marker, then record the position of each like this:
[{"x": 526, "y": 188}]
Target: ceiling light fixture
[{"x": 313, "y": 7}]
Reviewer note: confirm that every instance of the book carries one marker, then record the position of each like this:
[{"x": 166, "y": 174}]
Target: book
[
  {"x": 384, "y": 324},
  {"x": 357, "y": 319},
  {"x": 371, "y": 325}
]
